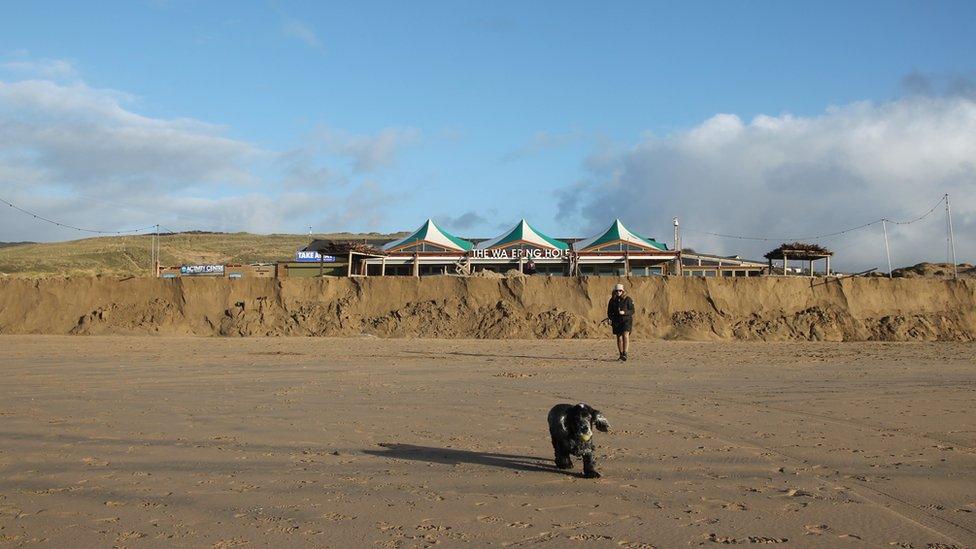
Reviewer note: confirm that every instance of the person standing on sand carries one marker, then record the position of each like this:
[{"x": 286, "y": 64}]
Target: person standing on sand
[{"x": 620, "y": 311}]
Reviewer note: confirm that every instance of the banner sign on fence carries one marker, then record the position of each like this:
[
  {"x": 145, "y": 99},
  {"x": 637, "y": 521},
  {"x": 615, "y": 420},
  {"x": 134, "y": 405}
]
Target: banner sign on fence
[
  {"x": 189, "y": 270},
  {"x": 305, "y": 257}
]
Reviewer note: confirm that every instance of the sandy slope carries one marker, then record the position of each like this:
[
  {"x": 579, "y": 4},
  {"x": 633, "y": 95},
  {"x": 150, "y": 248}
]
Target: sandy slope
[
  {"x": 767, "y": 309},
  {"x": 350, "y": 442}
]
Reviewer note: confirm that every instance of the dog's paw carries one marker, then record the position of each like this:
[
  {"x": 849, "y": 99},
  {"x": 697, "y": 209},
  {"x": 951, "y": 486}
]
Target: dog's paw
[{"x": 591, "y": 474}]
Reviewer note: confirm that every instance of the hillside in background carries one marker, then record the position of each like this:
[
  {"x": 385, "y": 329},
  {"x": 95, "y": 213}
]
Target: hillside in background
[{"x": 129, "y": 255}]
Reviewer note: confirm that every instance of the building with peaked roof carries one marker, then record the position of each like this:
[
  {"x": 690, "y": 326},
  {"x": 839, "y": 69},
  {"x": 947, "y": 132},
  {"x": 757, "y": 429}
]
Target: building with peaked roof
[
  {"x": 428, "y": 250},
  {"x": 429, "y": 238},
  {"x": 521, "y": 247},
  {"x": 523, "y": 236},
  {"x": 617, "y": 238},
  {"x": 619, "y": 251},
  {"x": 615, "y": 251}
]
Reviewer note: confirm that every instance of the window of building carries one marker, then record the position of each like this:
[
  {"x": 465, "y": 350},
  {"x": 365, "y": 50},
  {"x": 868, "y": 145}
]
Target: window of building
[
  {"x": 424, "y": 247},
  {"x": 621, "y": 246}
]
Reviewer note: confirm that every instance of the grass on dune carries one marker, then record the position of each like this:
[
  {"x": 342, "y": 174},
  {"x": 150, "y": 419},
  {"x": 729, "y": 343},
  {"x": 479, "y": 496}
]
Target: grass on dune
[{"x": 130, "y": 255}]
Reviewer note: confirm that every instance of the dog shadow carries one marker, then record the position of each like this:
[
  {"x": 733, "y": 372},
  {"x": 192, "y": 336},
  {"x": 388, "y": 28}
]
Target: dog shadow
[{"x": 452, "y": 456}]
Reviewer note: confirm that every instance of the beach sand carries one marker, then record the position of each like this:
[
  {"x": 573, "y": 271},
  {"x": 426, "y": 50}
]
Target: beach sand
[{"x": 151, "y": 441}]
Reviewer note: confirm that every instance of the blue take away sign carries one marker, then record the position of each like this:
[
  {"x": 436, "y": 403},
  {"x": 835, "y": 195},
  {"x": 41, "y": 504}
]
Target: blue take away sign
[{"x": 313, "y": 257}]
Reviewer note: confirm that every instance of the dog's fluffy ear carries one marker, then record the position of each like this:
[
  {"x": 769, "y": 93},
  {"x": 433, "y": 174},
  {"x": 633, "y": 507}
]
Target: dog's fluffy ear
[{"x": 600, "y": 421}]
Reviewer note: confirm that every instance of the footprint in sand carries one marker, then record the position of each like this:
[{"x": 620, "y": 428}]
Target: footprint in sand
[
  {"x": 336, "y": 517},
  {"x": 795, "y": 507},
  {"x": 519, "y": 524},
  {"x": 590, "y": 537},
  {"x": 715, "y": 538},
  {"x": 816, "y": 529},
  {"x": 233, "y": 542},
  {"x": 126, "y": 536},
  {"x": 432, "y": 528},
  {"x": 488, "y": 519}
]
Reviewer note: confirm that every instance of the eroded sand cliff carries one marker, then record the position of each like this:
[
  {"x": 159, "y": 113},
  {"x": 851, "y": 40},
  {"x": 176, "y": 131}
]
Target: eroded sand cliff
[{"x": 769, "y": 309}]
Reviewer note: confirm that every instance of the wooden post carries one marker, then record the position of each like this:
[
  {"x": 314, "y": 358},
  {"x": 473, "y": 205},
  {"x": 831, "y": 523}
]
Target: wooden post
[
  {"x": 626, "y": 264},
  {"x": 349, "y": 266},
  {"x": 321, "y": 265},
  {"x": 810, "y": 264},
  {"x": 770, "y": 271},
  {"x": 383, "y": 266},
  {"x": 416, "y": 265},
  {"x": 784, "y": 263},
  {"x": 827, "y": 273}
]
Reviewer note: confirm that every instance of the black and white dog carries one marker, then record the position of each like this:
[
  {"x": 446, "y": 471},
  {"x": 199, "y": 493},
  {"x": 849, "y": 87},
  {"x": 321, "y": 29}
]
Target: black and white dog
[{"x": 571, "y": 428}]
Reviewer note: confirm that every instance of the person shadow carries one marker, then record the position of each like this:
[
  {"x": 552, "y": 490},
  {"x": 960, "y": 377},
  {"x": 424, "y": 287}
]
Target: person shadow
[
  {"x": 545, "y": 357},
  {"x": 453, "y": 456}
]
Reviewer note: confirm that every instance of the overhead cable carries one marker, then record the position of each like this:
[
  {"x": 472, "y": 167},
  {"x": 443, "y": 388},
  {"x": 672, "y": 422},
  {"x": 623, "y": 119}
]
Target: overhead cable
[
  {"x": 825, "y": 235},
  {"x": 67, "y": 226}
]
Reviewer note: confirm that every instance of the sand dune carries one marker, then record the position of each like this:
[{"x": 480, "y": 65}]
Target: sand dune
[{"x": 767, "y": 309}]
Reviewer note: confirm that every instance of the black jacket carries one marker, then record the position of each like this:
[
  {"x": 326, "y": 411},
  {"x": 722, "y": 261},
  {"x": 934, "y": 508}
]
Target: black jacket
[{"x": 617, "y": 304}]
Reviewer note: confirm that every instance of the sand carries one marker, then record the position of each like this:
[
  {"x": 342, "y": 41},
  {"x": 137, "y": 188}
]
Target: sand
[
  {"x": 683, "y": 308},
  {"x": 160, "y": 441}
]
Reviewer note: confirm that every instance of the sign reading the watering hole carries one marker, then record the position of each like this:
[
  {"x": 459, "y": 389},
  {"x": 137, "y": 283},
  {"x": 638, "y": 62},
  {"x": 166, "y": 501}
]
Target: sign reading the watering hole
[{"x": 530, "y": 253}]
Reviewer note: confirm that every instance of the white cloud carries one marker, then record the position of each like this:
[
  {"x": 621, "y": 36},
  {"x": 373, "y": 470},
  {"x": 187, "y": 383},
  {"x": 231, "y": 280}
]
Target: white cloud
[
  {"x": 781, "y": 176},
  {"x": 85, "y": 157},
  {"x": 370, "y": 153},
  {"x": 54, "y": 69},
  {"x": 294, "y": 28},
  {"x": 82, "y": 137},
  {"x": 365, "y": 207}
]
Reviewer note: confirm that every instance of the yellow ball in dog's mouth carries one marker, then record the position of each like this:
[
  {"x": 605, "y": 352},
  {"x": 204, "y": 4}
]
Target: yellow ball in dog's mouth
[{"x": 586, "y": 438}]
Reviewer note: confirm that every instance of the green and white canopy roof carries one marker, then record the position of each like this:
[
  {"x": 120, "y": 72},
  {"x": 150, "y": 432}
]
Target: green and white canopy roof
[
  {"x": 430, "y": 233},
  {"x": 617, "y": 233},
  {"x": 523, "y": 232}
]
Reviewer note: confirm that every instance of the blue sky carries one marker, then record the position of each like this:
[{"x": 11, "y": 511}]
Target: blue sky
[{"x": 373, "y": 116}]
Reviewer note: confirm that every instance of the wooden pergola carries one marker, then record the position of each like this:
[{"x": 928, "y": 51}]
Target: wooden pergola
[
  {"x": 353, "y": 251},
  {"x": 801, "y": 252}
]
